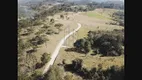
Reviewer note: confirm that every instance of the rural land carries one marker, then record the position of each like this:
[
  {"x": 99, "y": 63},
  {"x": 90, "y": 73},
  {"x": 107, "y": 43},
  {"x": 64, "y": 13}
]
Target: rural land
[{"x": 70, "y": 40}]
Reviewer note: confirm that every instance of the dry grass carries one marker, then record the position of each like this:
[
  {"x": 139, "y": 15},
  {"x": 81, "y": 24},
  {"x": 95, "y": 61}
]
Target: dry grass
[
  {"x": 88, "y": 23},
  {"x": 91, "y": 23},
  {"x": 90, "y": 61}
]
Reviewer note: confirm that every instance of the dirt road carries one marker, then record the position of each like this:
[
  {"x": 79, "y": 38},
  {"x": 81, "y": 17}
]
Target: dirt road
[{"x": 56, "y": 51}]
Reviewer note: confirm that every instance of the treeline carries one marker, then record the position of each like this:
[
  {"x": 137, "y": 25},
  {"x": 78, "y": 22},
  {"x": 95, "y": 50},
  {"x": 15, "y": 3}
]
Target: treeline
[
  {"x": 67, "y": 7},
  {"x": 107, "y": 43},
  {"x": 73, "y": 7}
]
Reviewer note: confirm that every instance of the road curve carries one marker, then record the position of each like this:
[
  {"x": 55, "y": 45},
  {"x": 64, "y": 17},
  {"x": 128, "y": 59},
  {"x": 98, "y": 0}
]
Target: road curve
[{"x": 56, "y": 51}]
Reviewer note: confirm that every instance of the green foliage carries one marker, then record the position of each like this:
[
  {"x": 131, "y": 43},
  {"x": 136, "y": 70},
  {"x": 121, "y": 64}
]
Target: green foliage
[
  {"x": 83, "y": 45},
  {"x": 119, "y": 17},
  {"x": 58, "y": 26},
  {"x": 106, "y": 43},
  {"x": 37, "y": 75},
  {"x": 38, "y": 40},
  {"x": 45, "y": 58},
  {"x": 112, "y": 73},
  {"x": 52, "y": 20},
  {"x": 46, "y": 26},
  {"x": 36, "y": 22},
  {"x": 24, "y": 77},
  {"x": 50, "y": 32},
  {"x": 24, "y": 23},
  {"x": 68, "y": 77},
  {"x": 40, "y": 32},
  {"x": 77, "y": 64},
  {"x": 23, "y": 45},
  {"x": 54, "y": 73}
]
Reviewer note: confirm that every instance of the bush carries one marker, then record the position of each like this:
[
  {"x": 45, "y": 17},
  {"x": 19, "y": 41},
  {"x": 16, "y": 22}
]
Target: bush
[
  {"x": 45, "y": 58},
  {"x": 119, "y": 17},
  {"x": 40, "y": 32},
  {"x": 52, "y": 20},
  {"x": 46, "y": 26},
  {"x": 68, "y": 77},
  {"x": 49, "y": 32},
  {"x": 37, "y": 75},
  {"x": 112, "y": 73},
  {"x": 38, "y": 65},
  {"x": 38, "y": 40},
  {"x": 22, "y": 46},
  {"x": 58, "y": 25},
  {"x": 36, "y": 22},
  {"x": 54, "y": 73}
]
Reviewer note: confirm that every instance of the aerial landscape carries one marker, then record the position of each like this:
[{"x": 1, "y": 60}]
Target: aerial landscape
[{"x": 70, "y": 40}]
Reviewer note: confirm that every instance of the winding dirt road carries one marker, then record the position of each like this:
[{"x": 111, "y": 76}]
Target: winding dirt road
[{"x": 56, "y": 51}]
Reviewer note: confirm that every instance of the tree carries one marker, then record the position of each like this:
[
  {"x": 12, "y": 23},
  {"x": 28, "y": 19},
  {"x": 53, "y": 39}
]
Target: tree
[
  {"x": 77, "y": 64},
  {"x": 54, "y": 73},
  {"x": 87, "y": 46},
  {"x": 80, "y": 44},
  {"x": 107, "y": 43}
]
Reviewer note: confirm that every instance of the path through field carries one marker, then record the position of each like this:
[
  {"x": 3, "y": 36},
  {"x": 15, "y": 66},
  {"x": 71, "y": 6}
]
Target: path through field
[{"x": 56, "y": 51}]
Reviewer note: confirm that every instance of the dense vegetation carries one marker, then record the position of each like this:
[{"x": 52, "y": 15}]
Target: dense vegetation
[
  {"x": 42, "y": 12},
  {"x": 54, "y": 73},
  {"x": 105, "y": 43},
  {"x": 113, "y": 73},
  {"x": 44, "y": 59},
  {"x": 119, "y": 17}
]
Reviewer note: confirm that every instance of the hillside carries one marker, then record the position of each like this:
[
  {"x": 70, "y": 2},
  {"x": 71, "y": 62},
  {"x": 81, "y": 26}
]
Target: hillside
[{"x": 94, "y": 52}]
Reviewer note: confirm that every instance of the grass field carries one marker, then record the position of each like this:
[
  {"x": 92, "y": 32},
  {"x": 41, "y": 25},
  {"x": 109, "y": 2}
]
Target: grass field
[
  {"x": 90, "y": 61},
  {"x": 96, "y": 15},
  {"x": 91, "y": 21}
]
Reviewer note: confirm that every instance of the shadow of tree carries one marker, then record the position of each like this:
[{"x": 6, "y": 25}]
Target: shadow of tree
[
  {"x": 114, "y": 73},
  {"x": 74, "y": 50},
  {"x": 31, "y": 51}
]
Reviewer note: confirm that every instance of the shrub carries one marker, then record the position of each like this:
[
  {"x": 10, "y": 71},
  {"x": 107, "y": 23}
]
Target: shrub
[
  {"x": 22, "y": 46},
  {"x": 45, "y": 58},
  {"x": 38, "y": 40},
  {"x": 58, "y": 25},
  {"x": 68, "y": 77},
  {"x": 40, "y": 32},
  {"x": 37, "y": 75},
  {"x": 49, "y": 32},
  {"x": 52, "y": 20},
  {"x": 112, "y": 73},
  {"x": 36, "y": 22},
  {"x": 54, "y": 73},
  {"x": 38, "y": 65},
  {"x": 46, "y": 26}
]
